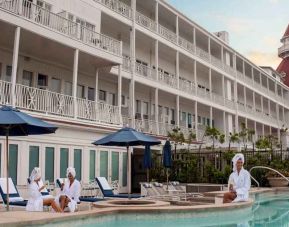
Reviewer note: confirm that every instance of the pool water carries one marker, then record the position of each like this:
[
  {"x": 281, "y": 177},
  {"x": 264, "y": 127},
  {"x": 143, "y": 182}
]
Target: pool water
[{"x": 269, "y": 210}]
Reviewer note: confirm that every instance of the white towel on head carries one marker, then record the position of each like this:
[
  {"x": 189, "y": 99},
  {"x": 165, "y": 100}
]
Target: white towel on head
[
  {"x": 35, "y": 174},
  {"x": 236, "y": 158},
  {"x": 71, "y": 170}
]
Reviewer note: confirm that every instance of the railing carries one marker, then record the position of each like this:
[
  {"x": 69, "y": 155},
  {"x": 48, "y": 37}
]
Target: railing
[
  {"x": 126, "y": 64},
  {"x": 165, "y": 128},
  {"x": 167, "y": 34},
  {"x": 117, "y": 6},
  {"x": 167, "y": 79},
  {"x": 145, "y": 71},
  {"x": 44, "y": 17},
  {"x": 145, "y": 22},
  {"x": 187, "y": 86},
  {"x": 186, "y": 45},
  {"x": 216, "y": 62},
  {"x": 146, "y": 126},
  {"x": 5, "y": 93},
  {"x": 202, "y": 54}
]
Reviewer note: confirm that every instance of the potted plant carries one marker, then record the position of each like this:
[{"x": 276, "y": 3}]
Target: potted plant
[{"x": 276, "y": 180}]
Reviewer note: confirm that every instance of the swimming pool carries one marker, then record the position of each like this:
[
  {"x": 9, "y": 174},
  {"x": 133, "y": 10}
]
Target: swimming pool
[{"x": 268, "y": 210}]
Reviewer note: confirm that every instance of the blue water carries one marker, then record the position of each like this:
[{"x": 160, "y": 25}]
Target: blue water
[{"x": 269, "y": 210}]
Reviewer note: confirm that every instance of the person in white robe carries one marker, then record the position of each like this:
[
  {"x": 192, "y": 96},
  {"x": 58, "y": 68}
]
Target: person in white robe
[
  {"x": 71, "y": 189},
  {"x": 36, "y": 201},
  {"x": 239, "y": 181}
]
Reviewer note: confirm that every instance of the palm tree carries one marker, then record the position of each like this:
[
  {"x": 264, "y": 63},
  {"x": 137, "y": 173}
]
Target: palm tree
[
  {"x": 177, "y": 137},
  {"x": 191, "y": 137},
  {"x": 233, "y": 138},
  {"x": 215, "y": 135}
]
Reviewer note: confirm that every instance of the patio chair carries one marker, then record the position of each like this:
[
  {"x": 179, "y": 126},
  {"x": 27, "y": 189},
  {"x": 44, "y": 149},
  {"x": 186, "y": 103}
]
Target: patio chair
[
  {"x": 92, "y": 199},
  {"x": 107, "y": 190},
  {"x": 14, "y": 198},
  {"x": 147, "y": 190}
]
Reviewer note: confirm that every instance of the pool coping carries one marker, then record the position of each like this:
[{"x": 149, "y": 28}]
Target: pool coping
[{"x": 23, "y": 218}]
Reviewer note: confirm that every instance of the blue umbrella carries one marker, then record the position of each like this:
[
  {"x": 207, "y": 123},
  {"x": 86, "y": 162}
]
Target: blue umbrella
[
  {"x": 167, "y": 159},
  {"x": 16, "y": 123},
  {"x": 147, "y": 161},
  {"x": 127, "y": 137}
]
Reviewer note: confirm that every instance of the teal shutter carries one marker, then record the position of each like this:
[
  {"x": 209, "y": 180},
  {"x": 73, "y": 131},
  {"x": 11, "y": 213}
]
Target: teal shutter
[
  {"x": 124, "y": 169},
  {"x": 103, "y": 163},
  {"x": 49, "y": 164},
  {"x": 33, "y": 157},
  {"x": 114, "y": 166},
  {"x": 0, "y": 156},
  {"x": 77, "y": 163},
  {"x": 13, "y": 160},
  {"x": 63, "y": 161},
  {"x": 92, "y": 165}
]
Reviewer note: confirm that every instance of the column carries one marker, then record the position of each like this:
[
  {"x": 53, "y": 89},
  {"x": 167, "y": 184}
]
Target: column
[
  {"x": 222, "y": 54},
  {"x": 14, "y": 65},
  {"x": 157, "y": 110},
  {"x": 177, "y": 28},
  {"x": 211, "y": 116},
  {"x": 256, "y": 132},
  {"x": 96, "y": 85},
  {"x": 119, "y": 89},
  {"x": 269, "y": 108},
  {"x": 196, "y": 120},
  {"x": 195, "y": 76},
  {"x": 133, "y": 58},
  {"x": 262, "y": 107},
  {"x": 268, "y": 84},
  {"x": 178, "y": 68},
  {"x": 157, "y": 13},
  {"x": 224, "y": 125},
  {"x": 194, "y": 36},
  {"x": 263, "y": 130},
  {"x": 254, "y": 102},
  {"x": 210, "y": 83},
  {"x": 74, "y": 82},
  {"x": 157, "y": 58},
  {"x": 246, "y": 122},
  {"x": 270, "y": 130},
  {"x": 252, "y": 73},
  {"x": 178, "y": 110},
  {"x": 132, "y": 102},
  {"x": 245, "y": 97}
]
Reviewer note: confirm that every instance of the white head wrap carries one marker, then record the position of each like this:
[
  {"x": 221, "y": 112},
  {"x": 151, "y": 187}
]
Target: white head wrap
[
  {"x": 236, "y": 158},
  {"x": 35, "y": 174},
  {"x": 70, "y": 170}
]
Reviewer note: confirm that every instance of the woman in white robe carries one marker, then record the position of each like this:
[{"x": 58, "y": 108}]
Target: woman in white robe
[
  {"x": 239, "y": 182},
  {"x": 36, "y": 201},
  {"x": 71, "y": 188}
]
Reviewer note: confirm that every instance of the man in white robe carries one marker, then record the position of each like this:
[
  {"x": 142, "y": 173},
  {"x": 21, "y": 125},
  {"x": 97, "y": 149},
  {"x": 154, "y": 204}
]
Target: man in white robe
[{"x": 239, "y": 181}]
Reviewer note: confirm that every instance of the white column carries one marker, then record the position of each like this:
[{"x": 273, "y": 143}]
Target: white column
[
  {"x": 119, "y": 89},
  {"x": 132, "y": 102},
  {"x": 157, "y": 110},
  {"x": 196, "y": 120},
  {"x": 254, "y": 101},
  {"x": 270, "y": 130},
  {"x": 252, "y": 74},
  {"x": 157, "y": 12},
  {"x": 96, "y": 85},
  {"x": 268, "y": 84},
  {"x": 178, "y": 69},
  {"x": 157, "y": 58},
  {"x": 85, "y": 167},
  {"x": 223, "y": 87},
  {"x": 256, "y": 132},
  {"x": 262, "y": 105},
  {"x": 209, "y": 47},
  {"x": 211, "y": 116},
  {"x": 222, "y": 54},
  {"x": 74, "y": 83},
  {"x": 195, "y": 76},
  {"x": 269, "y": 107},
  {"x": 15, "y": 64},
  {"x": 246, "y": 122},
  {"x": 224, "y": 124},
  {"x": 177, "y": 28},
  {"x": 263, "y": 130},
  {"x": 178, "y": 110},
  {"x": 245, "y": 97},
  {"x": 210, "y": 82},
  {"x": 194, "y": 36}
]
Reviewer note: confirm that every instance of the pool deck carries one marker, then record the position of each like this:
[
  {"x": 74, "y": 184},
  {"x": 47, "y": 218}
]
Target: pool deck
[{"x": 23, "y": 218}]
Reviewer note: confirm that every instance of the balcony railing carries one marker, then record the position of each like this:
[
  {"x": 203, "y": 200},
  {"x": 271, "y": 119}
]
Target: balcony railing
[
  {"x": 126, "y": 64},
  {"x": 167, "y": 34},
  {"x": 186, "y": 45},
  {"x": 145, "y": 22},
  {"x": 44, "y": 17},
  {"x": 187, "y": 86},
  {"x": 52, "y": 103},
  {"x": 145, "y": 71},
  {"x": 202, "y": 54},
  {"x": 168, "y": 79},
  {"x": 118, "y": 7}
]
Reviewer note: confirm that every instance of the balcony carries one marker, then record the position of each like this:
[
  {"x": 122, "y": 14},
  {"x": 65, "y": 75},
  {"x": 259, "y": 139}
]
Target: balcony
[
  {"x": 167, "y": 34},
  {"x": 118, "y": 7},
  {"x": 187, "y": 86},
  {"x": 145, "y": 71},
  {"x": 168, "y": 79},
  {"x": 283, "y": 51},
  {"x": 146, "y": 22},
  {"x": 57, "y": 23},
  {"x": 56, "y": 104}
]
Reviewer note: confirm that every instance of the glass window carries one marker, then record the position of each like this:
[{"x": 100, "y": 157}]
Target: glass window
[
  {"x": 8, "y": 73},
  {"x": 208, "y": 121},
  {"x": 92, "y": 165},
  {"x": 68, "y": 88},
  {"x": 103, "y": 164},
  {"x": 27, "y": 78},
  {"x": 64, "y": 152},
  {"x": 111, "y": 99},
  {"x": 102, "y": 95},
  {"x": 80, "y": 91},
  {"x": 114, "y": 166},
  {"x": 124, "y": 169},
  {"x": 33, "y": 157},
  {"x": 138, "y": 106},
  {"x": 49, "y": 164},
  {"x": 183, "y": 116},
  {"x": 13, "y": 162},
  {"x": 189, "y": 120},
  {"x": 42, "y": 80},
  {"x": 123, "y": 100},
  {"x": 145, "y": 108},
  {"x": 199, "y": 119},
  {"x": 172, "y": 114},
  {"x": 91, "y": 94},
  {"x": 55, "y": 85},
  {"x": 167, "y": 111},
  {"x": 77, "y": 163},
  {"x": 203, "y": 121}
]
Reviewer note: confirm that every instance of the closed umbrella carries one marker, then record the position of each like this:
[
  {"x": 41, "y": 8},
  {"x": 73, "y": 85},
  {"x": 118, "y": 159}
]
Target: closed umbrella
[
  {"x": 167, "y": 159},
  {"x": 127, "y": 137},
  {"x": 147, "y": 161},
  {"x": 16, "y": 123}
]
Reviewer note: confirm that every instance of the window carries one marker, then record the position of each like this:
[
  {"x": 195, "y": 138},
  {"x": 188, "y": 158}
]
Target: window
[
  {"x": 138, "y": 106},
  {"x": 13, "y": 162},
  {"x": 27, "y": 78},
  {"x": 68, "y": 88},
  {"x": 111, "y": 99},
  {"x": 203, "y": 121},
  {"x": 208, "y": 121},
  {"x": 189, "y": 120},
  {"x": 91, "y": 94},
  {"x": 77, "y": 163},
  {"x": 102, "y": 95},
  {"x": 114, "y": 166},
  {"x": 63, "y": 161},
  {"x": 124, "y": 169},
  {"x": 80, "y": 91},
  {"x": 199, "y": 120},
  {"x": 33, "y": 157},
  {"x": 55, "y": 85},
  {"x": 184, "y": 116},
  {"x": 92, "y": 165},
  {"x": 173, "y": 116},
  {"x": 8, "y": 73},
  {"x": 145, "y": 108},
  {"x": 42, "y": 81},
  {"x": 103, "y": 164},
  {"x": 123, "y": 103},
  {"x": 44, "y": 5},
  {"x": 85, "y": 24},
  {"x": 49, "y": 164}
]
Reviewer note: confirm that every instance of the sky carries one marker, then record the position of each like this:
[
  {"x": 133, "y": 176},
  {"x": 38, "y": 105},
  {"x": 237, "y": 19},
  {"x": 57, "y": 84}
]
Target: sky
[{"x": 255, "y": 26}]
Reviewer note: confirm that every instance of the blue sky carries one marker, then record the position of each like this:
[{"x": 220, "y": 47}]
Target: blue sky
[{"x": 255, "y": 27}]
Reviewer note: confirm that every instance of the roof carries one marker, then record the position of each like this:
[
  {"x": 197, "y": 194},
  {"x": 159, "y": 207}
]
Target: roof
[
  {"x": 286, "y": 34},
  {"x": 284, "y": 68}
]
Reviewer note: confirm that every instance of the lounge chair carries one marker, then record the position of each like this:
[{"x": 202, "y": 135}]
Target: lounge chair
[
  {"x": 14, "y": 198},
  {"x": 107, "y": 191},
  {"x": 91, "y": 199}
]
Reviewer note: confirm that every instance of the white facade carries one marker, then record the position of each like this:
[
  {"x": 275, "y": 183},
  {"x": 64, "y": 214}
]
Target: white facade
[{"x": 146, "y": 65}]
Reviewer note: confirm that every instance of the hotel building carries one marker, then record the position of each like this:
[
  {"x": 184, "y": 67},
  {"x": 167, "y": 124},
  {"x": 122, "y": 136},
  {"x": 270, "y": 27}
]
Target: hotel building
[{"x": 92, "y": 66}]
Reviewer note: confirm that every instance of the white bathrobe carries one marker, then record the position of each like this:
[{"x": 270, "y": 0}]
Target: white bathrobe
[
  {"x": 35, "y": 201},
  {"x": 72, "y": 191},
  {"x": 241, "y": 184}
]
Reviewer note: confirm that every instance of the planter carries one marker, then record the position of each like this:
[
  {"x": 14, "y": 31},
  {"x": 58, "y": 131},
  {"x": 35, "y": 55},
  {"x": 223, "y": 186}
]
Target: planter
[{"x": 278, "y": 181}]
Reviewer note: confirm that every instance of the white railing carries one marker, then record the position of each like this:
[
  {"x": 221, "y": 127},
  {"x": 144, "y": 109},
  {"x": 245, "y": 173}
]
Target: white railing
[
  {"x": 165, "y": 128},
  {"x": 228, "y": 69},
  {"x": 229, "y": 103},
  {"x": 44, "y": 17},
  {"x": 126, "y": 64},
  {"x": 186, "y": 45},
  {"x": 5, "y": 93},
  {"x": 187, "y": 86},
  {"x": 202, "y": 54},
  {"x": 145, "y": 21},
  {"x": 202, "y": 93},
  {"x": 219, "y": 99},
  {"x": 216, "y": 62},
  {"x": 145, "y": 71},
  {"x": 167, "y": 79},
  {"x": 167, "y": 34},
  {"x": 146, "y": 126},
  {"x": 118, "y": 7}
]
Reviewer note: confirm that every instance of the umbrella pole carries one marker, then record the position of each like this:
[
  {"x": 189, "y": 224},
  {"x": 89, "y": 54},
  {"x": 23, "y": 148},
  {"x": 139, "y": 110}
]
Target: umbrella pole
[
  {"x": 148, "y": 176},
  {"x": 7, "y": 171},
  {"x": 167, "y": 179},
  {"x": 128, "y": 173}
]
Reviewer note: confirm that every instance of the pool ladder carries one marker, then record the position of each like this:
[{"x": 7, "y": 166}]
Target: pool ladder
[{"x": 265, "y": 167}]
